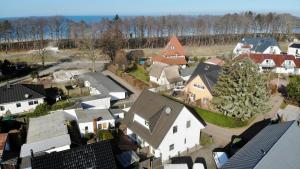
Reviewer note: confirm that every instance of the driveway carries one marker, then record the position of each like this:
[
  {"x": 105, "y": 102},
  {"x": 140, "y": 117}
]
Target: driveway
[{"x": 222, "y": 136}]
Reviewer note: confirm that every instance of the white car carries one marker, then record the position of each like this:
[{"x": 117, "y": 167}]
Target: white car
[{"x": 178, "y": 88}]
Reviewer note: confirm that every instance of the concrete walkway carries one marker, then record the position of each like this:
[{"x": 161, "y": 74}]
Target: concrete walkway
[{"x": 222, "y": 136}]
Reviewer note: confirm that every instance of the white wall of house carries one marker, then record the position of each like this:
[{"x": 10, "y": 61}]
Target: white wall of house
[
  {"x": 103, "y": 103},
  {"x": 268, "y": 63},
  {"x": 13, "y": 109},
  {"x": 117, "y": 95},
  {"x": 191, "y": 135},
  {"x": 162, "y": 80},
  {"x": 272, "y": 50},
  {"x": 90, "y": 127},
  {"x": 183, "y": 139},
  {"x": 284, "y": 70},
  {"x": 239, "y": 50}
]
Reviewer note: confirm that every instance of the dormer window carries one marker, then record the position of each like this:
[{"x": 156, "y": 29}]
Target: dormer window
[
  {"x": 147, "y": 123},
  {"x": 141, "y": 121},
  {"x": 172, "y": 48}
]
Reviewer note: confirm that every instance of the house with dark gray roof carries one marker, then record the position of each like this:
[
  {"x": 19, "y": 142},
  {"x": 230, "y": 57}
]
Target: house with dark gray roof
[
  {"x": 257, "y": 45},
  {"x": 294, "y": 49},
  {"x": 162, "y": 126},
  {"x": 100, "y": 84},
  {"x": 276, "y": 147},
  {"x": 20, "y": 98},
  {"x": 200, "y": 85},
  {"x": 97, "y": 156}
]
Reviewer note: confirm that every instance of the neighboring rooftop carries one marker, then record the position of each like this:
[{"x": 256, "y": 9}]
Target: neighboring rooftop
[
  {"x": 160, "y": 117},
  {"x": 172, "y": 74},
  {"x": 278, "y": 59},
  {"x": 173, "y": 48},
  {"x": 187, "y": 71},
  {"x": 19, "y": 92},
  {"x": 259, "y": 44},
  {"x": 276, "y": 147},
  {"x": 215, "y": 61},
  {"x": 209, "y": 73},
  {"x": 295, "y": 45},
  {"x": 89, "y": 115},
  {"x": 156, "y": 70},
  {"x": 46, "y": 132},
  {"x": 97, "y": 155},
  {"x": 101, "y": 82},
  {"x": 170, "y": 61}
]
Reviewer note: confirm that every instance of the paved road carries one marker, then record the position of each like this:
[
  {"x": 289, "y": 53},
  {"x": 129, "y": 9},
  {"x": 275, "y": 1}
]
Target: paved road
[{"x": 222, "y": 136}]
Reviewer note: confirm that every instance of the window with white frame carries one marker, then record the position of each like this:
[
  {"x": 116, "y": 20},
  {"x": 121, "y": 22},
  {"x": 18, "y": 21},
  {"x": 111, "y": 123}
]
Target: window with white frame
[
  {"x": 18, "y": 104},
  {"x": 36, "y": 102},
  {"x": 175, "y": 129},
  {"x": 30, "y": 103},
  {"x": 188, "y": 124},
  {"x": 2, "y": 108},
  {"x": 171, "y": 147}
]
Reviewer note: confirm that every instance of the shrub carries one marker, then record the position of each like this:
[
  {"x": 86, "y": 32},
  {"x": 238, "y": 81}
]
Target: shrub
[{"x": 61, "y": 105}]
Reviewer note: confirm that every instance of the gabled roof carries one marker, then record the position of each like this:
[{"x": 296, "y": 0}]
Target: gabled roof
[
  {"x": 17, "y": 92},
  {"x": 156, "y": 70},
  {"x": 172, "y": 74},
  {"x": 98, "y": 155},
  {"x": 276, "y": 146},
  {"x": 102, "y": 82},
  {"x": 159, "y": 121},
  {"x": 259, "y": 44},
  {"x": 173, "y": 48},
  {"x": 187, "y": 71},
  {"x": 170, "y": 61},
  {"x": 209, "y": 74},
  {"x": 278, "y": 59}
]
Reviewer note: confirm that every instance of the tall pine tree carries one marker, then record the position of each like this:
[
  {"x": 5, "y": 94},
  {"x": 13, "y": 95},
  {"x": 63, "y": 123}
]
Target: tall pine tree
[{"x": 241, "y": 91}]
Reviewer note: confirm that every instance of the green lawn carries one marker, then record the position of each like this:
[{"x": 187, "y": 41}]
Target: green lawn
[
  {"x": 141, "y": 74},
  {"x": 214, "y": 117},
  {"x": 219, "y": 119}
]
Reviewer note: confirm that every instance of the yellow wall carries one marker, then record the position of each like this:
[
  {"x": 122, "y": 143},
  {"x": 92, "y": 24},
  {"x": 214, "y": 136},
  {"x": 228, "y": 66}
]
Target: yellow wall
[{"x": 199, "y": 93}]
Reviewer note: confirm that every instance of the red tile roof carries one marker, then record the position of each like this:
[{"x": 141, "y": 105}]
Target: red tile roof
[
  {"x": 215, "y": 61},
  {"x": 169, "y": 61},
  {"x": 278, "y": 59},
  {"x": 177, "y": 50},
  {"x": 3, "y": 137}
]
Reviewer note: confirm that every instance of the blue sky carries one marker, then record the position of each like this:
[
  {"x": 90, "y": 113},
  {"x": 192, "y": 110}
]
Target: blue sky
[{"x": 15, "y": 8}]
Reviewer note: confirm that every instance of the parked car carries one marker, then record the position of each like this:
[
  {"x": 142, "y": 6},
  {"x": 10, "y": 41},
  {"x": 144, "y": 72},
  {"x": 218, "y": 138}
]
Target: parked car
[
  {"x": 220, "y": 158},
  {"x": 178, "y": 88}
]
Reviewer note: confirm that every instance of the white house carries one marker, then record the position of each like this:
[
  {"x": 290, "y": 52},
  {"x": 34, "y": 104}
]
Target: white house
[
  {"x": 47, "y": 134},
  {"x": 284, "y": 64},
  {"x": 165, "y": 129},
  {"x": 257, "y": 45},
  {"x": 20, "y": 98},
  {"x": 294, "y": 49},
  {"x": 90, "y": 120},
  {"x": 101, "y": 84},
  {"x": 165, "y": 75}
]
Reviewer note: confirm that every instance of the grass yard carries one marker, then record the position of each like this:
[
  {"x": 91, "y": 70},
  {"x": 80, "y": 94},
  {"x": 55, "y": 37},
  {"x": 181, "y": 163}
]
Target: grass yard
[
  {"x": 219, "y": 119},
  {"x": 141, "y": 74},
  {"x": 214, "y": 117}
]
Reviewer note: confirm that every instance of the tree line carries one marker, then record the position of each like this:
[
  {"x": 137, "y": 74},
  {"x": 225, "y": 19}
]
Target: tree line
[{"x": 145, "y": 31}]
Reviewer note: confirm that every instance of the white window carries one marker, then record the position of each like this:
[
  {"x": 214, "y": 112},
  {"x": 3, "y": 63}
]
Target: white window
[
  {"x": 188, "y": 124},
  {"x": 171, "y": 147},
  {"x": 2, "y": 108},
  {"x": 18, "y": 105},
  {"x": 175, "y": 129},
  {"x": 30, "y": 103}
]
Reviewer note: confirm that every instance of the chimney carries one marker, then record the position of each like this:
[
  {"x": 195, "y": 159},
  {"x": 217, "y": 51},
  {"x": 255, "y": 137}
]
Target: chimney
[{"x": 95, "y": 125}]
